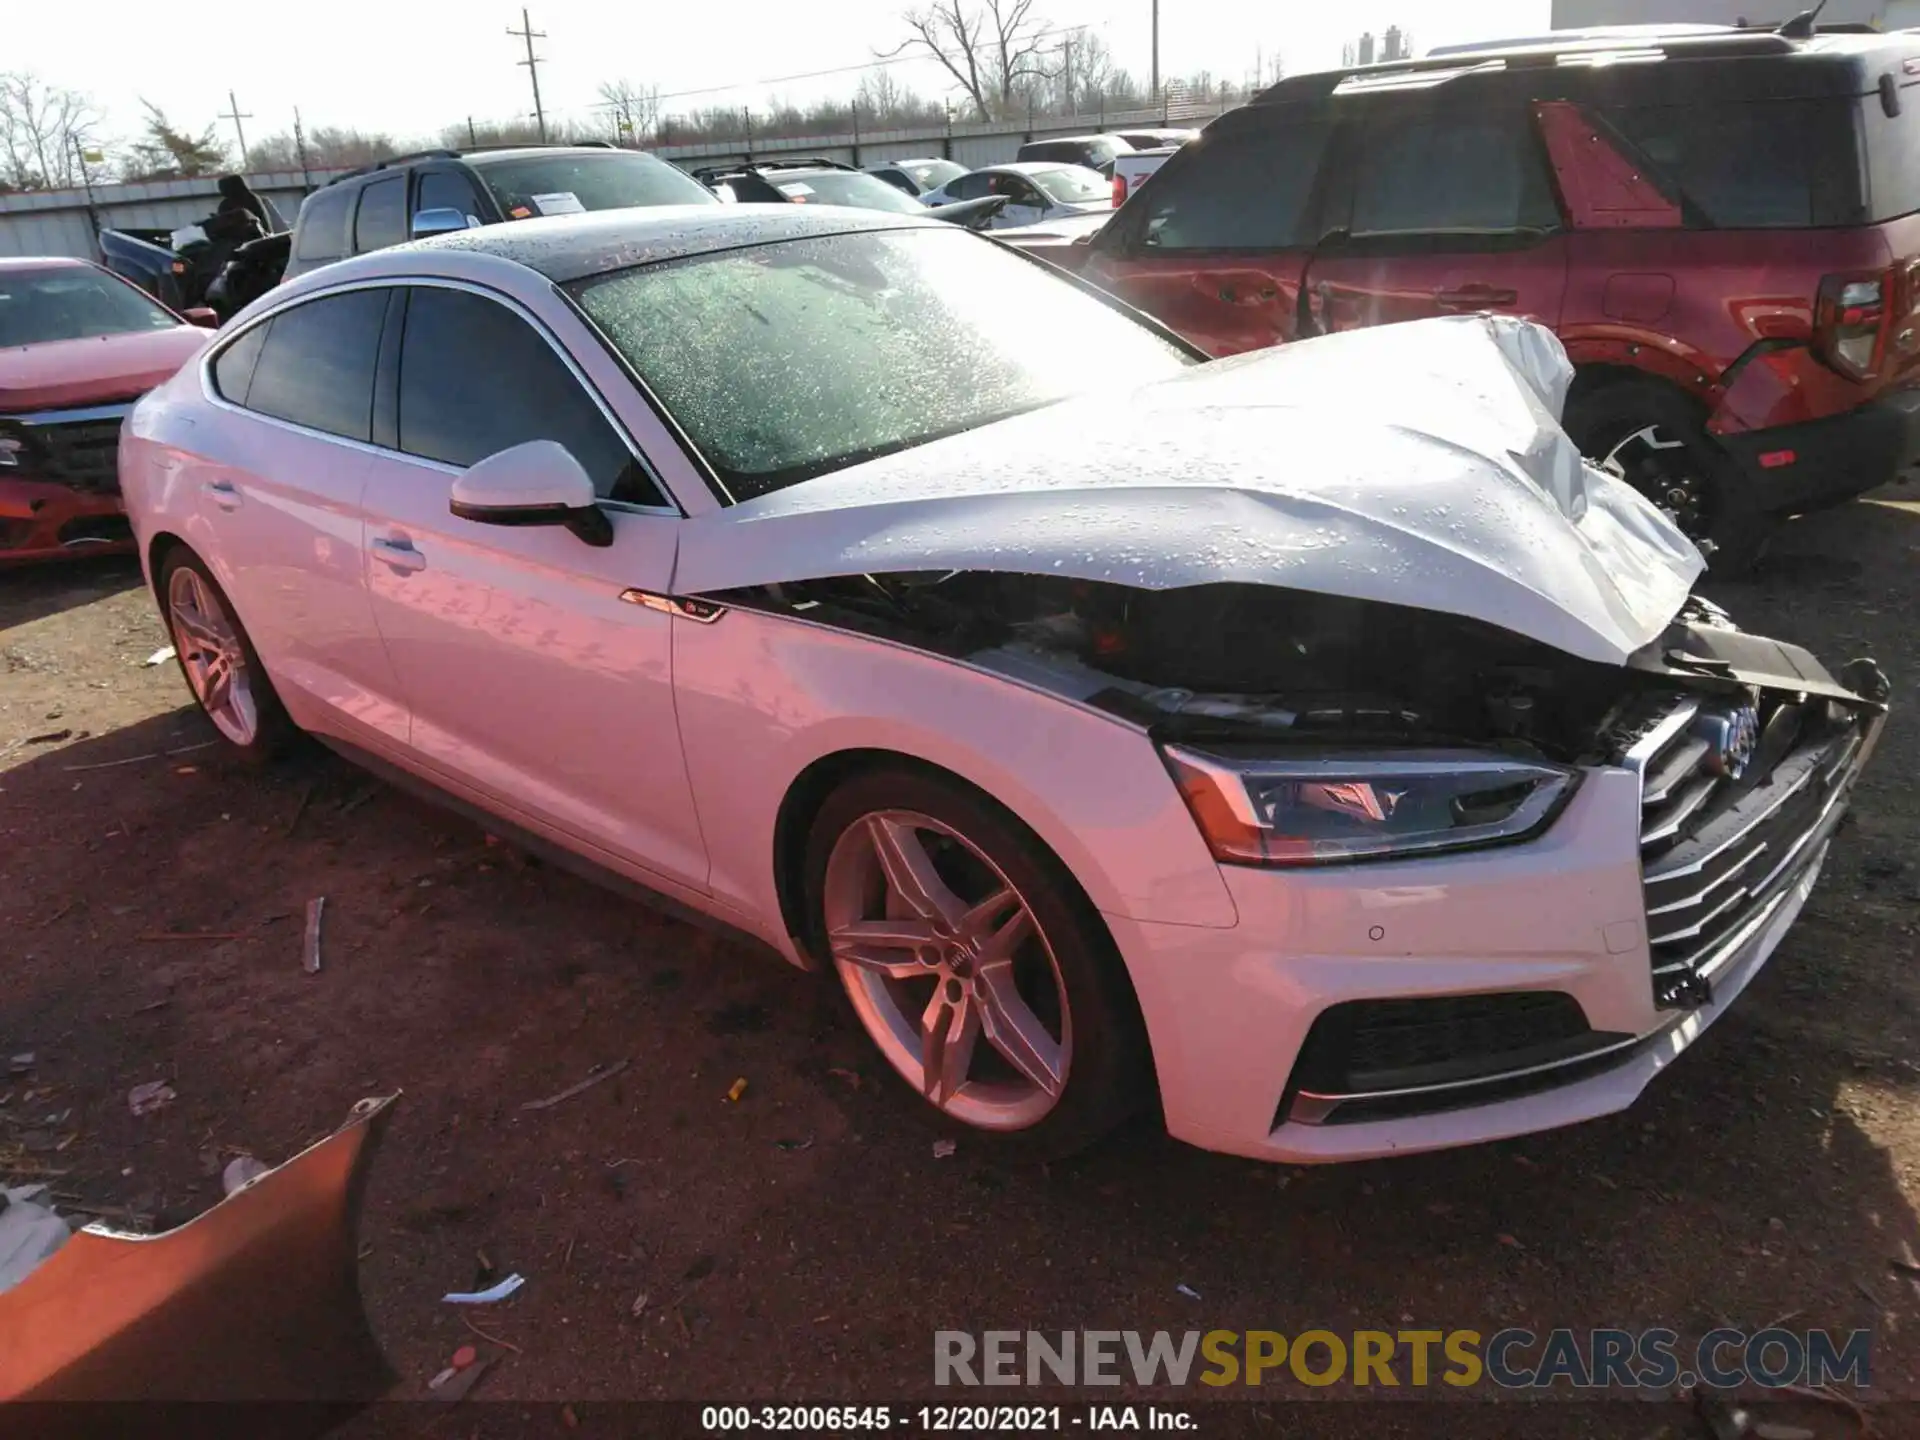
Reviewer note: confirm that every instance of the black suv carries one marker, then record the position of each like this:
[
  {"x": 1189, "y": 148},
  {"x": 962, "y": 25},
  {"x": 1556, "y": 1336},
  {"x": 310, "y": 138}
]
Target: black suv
[{"x": 434, "y": 191}]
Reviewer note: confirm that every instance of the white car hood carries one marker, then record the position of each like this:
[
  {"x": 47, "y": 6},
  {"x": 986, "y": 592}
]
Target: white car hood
[{"x": 1417, "y": 464}]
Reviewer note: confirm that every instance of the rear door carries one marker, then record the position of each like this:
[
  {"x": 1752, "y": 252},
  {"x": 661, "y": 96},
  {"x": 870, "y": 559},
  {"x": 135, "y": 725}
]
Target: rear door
[
  {"x": 282, "y": 501},
  {"x": 1216, "y": 242},
  {"x": 1440, "y": 210}
]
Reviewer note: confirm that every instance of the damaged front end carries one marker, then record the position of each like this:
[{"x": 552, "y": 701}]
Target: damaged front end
[
  {"x": 256, "y": 1301},
  {"x": 59, "y": 484},
  {"x": 1359, "y": 637}
]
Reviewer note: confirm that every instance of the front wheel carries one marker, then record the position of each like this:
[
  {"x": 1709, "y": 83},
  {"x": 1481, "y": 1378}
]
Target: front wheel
[
  {"x": 1654, "y": 439},
  {"x": 973, "y": 962}
]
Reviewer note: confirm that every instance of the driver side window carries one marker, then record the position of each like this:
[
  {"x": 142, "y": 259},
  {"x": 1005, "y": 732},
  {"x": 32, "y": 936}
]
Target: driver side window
[{"x": 476, "y": 379}]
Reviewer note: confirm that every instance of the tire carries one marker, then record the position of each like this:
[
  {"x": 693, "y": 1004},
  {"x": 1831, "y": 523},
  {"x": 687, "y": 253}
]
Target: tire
[
  {"x": 1656, "y": 440},
  {"x": 208, "y": 640},
  {"x": 984, "y": 999}
]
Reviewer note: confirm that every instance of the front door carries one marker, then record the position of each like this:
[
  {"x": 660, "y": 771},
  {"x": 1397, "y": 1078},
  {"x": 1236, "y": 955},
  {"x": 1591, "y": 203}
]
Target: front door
[
  {"x": 285, "y": 490},
  {"x": 1442, "y": 212},
  {"x": 535, "y": 672},
  {"x": 1215, "y": 246}
]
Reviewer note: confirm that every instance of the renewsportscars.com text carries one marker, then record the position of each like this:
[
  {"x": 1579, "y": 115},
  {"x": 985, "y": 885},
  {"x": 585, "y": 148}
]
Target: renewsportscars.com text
[{"x": 1513, "y": 1359}]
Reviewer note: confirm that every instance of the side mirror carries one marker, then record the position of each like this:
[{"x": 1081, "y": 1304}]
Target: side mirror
[
  {"x": 538, "y": 483},
  {"x": 438, "y": 220},
  {"x": 203, "y": 316}
]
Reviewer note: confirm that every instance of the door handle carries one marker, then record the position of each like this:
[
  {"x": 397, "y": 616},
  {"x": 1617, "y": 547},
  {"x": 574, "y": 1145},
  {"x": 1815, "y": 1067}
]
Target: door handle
[
  {"x": 1474, "y": 297},
  {"x": 398, "y": 554},
  {"x": 224, "y": 494}
]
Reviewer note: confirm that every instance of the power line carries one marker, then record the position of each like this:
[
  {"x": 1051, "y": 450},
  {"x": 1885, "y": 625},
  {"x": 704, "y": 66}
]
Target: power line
[{"x": 527, "y": 33}]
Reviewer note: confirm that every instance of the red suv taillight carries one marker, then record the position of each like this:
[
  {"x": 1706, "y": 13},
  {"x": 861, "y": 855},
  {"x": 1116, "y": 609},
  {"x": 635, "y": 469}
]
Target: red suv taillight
[
  {"x": 1119, "y": 191},
  {"x": 1850, "y": 322}
]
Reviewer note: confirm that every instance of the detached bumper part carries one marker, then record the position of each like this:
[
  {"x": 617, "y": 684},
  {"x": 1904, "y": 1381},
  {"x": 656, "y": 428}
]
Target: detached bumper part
[
  {"x": 256, "y": 1301},
  {"x": 1825, "y": 462}
]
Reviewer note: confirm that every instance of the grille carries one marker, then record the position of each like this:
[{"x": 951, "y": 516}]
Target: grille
[
  {"x": 81, "y": 452},
  {"x": 1721, "y": 845}
]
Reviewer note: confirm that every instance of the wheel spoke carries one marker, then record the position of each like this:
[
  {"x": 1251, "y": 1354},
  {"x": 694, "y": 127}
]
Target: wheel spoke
[
  {"x": 911, "y": 875},
  {"x": 1014, "y": 1030},
  {"x": 219, "y": 684},
  {"x": 978, "y": 922},
  {"x": 194, "y": 628},
  {"x": 887, "y": 947},
  {"x": 948, "y": 1032}
]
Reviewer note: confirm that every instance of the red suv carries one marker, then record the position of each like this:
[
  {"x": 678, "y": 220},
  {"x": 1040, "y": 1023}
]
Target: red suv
[{"x": 1723, "y": 229}]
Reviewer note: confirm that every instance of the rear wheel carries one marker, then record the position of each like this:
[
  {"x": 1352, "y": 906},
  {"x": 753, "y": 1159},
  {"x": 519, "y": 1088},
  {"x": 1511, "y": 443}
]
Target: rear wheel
[
  {"x": 219, "y": 663},
  {"x": 1654, "y": 439},
  {"x": 973, "y": 962}
]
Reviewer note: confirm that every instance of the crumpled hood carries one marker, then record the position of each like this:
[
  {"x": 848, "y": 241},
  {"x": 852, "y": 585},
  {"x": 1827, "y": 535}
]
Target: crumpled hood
[
  {"x": 71, "y": 374},
  {"x": 1418, "y": 464}
]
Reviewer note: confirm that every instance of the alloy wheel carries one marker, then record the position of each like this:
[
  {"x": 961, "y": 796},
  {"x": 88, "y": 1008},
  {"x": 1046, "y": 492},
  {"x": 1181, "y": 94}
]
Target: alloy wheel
[
  {"x": 212, "y": 656},
  {"x": 948, "y": 969},
  {"x": 1665, "y": 471}
]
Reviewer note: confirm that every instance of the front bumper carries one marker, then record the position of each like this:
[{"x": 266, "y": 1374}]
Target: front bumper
[
  {"x": 1831, "y": 460},
  {"x": 45, "y": 520},
  {"x": 1229, "y": 1012}
]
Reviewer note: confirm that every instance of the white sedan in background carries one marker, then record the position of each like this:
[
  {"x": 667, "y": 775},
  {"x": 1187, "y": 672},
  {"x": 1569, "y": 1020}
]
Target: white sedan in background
[
  {"x": 1307, "y": 736},
  {"x": 1036, "y": 191}
]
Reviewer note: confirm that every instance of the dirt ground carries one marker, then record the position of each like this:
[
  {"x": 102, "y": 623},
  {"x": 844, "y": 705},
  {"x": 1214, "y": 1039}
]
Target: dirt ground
[{"x": 804, "y": 1241}]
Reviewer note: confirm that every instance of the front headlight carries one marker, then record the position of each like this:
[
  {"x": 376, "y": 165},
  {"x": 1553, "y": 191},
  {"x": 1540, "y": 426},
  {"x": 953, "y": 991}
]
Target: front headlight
[
  {"x": 10, "y": 452},
  {"x": 1328, "y": 808}
]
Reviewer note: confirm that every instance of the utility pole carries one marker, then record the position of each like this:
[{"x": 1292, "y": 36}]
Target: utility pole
[
  {"x": 527, "y": 33},
  {"x": 1154, "y": 82},
  {"x": 233, "y": 114},
  {"x": 472, "y": 138},
  {"x": 300, "y": 148},
  {"x": 86, "y": 180}
]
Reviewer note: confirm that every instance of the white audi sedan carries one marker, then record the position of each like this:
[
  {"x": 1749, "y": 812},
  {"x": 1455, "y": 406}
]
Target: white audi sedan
[{"x": 1306, "y": 742}]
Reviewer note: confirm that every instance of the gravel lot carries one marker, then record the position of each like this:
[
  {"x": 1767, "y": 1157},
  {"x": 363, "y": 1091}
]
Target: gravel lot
[{"x": 804, "y": 1241}]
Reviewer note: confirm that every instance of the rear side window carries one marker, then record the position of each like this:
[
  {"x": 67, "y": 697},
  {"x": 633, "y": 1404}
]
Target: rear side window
[
  {"x": 233, "y": 367},
  {"x": 1246, "y": 191},
  {"x": 322, "y": 225},
  {"x": 316, "y": 365},
  {"x": 1753, "y": 164},
  {"x": 1893, "y": 156},
  {"x": 382, "y": 220},
  {"x": 970, "y": 187},
  {"x": 1427, "y": 174},
  {"x": 476, "y": 379}
]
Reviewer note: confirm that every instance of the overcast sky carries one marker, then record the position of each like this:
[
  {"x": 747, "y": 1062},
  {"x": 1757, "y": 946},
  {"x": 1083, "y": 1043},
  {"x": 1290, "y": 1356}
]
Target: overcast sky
[{"x": 410, "y": 67}]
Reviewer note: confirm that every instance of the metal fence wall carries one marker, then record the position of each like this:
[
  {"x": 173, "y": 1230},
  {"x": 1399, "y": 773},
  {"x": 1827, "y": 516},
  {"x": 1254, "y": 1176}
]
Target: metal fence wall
[
  {"x": 61, "y": 222},
  {"x": 56, "y": 222}
]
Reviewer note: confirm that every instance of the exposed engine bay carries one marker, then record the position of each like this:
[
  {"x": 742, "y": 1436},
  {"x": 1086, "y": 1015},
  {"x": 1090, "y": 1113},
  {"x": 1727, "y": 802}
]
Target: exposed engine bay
[{"x": 1247, "y": 662}]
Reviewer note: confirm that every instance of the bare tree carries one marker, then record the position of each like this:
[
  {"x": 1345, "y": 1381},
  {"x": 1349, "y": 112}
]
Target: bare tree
[
  {"x": 41, "y": 126},
  {"x": 169, "y": 154},
  {"x": 880, "y": 95},
  {"x": 635, "y": 109},
  {"x": 329, "y": 147},
  {"x": 990, "y": 48}
]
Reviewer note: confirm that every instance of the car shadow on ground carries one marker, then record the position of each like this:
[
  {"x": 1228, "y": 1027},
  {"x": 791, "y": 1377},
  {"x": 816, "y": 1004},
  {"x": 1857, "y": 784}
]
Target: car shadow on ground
[
  {"x": 31, "y": 592},
  {"x": 804, "y": 1236}
]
